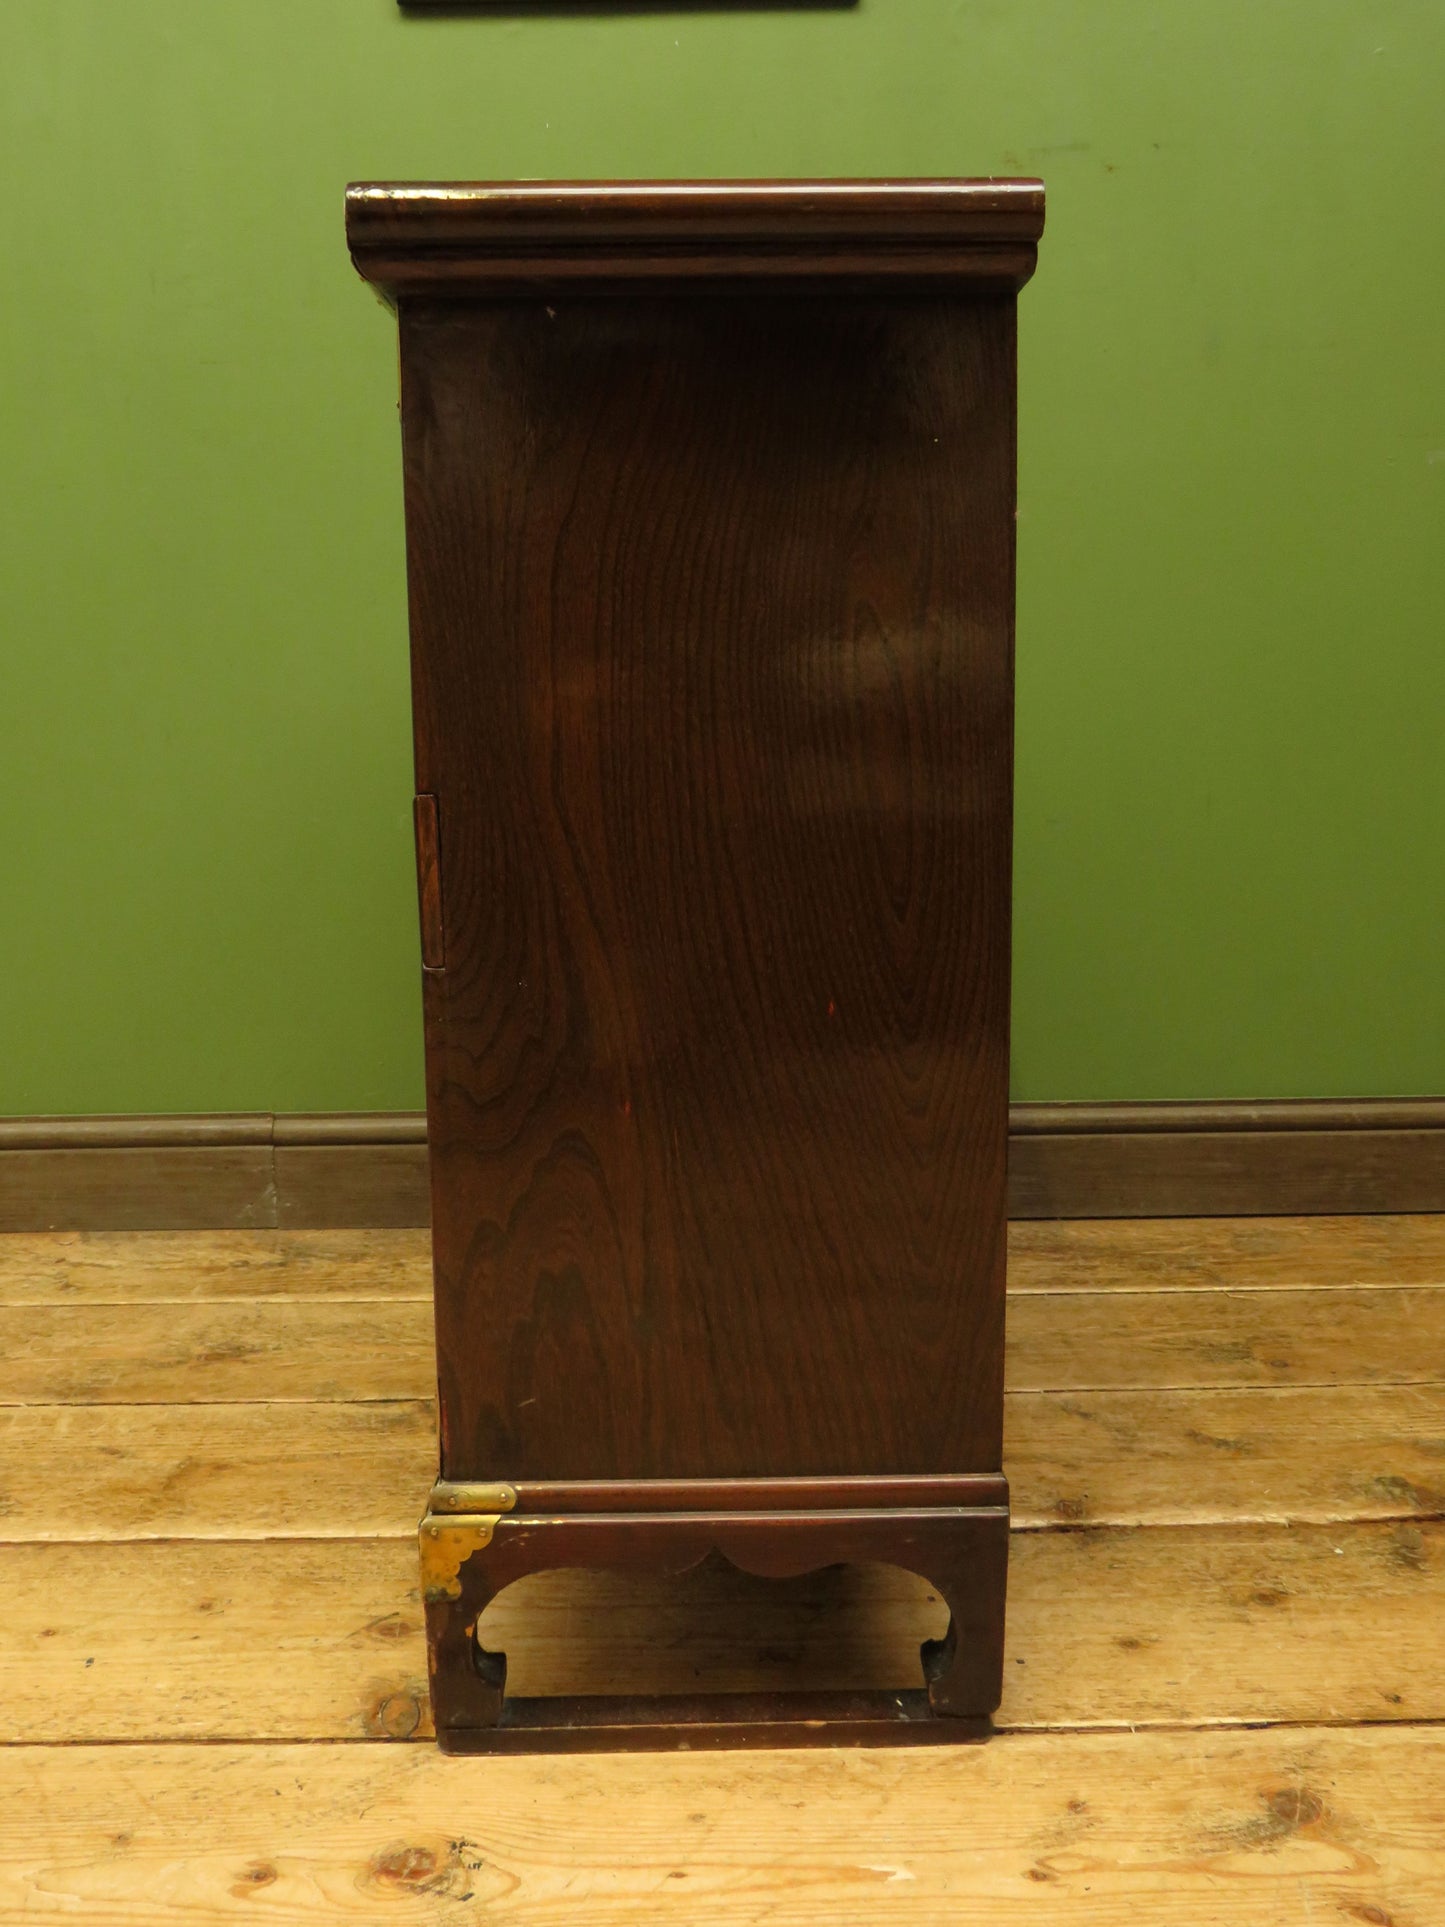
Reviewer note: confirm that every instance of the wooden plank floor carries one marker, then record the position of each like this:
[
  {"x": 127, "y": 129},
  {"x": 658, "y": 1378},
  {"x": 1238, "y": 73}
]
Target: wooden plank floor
[{"x": 1226, "y": 1668}]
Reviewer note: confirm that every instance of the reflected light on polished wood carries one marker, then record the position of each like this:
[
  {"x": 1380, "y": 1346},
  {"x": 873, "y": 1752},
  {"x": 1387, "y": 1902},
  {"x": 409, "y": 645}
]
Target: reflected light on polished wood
[{"x": 710, "y": 532}]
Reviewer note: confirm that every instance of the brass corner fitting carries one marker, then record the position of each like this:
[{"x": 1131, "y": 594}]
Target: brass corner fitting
[{"x": 459, "y": 1521}]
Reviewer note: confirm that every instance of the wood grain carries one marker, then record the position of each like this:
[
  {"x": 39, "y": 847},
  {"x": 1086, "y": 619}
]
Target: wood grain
[
  {"x": 1226, "y": 1623},
  {"x": 962, "y": 1552},
  {"x": 1280, "y": 1828},
  {"x": 1119, "y": 1458},
  {"x": 1160, "y": 1174},
  {"x": 1177, "y": 1458},
  {"x": 354, "y": 1169},
  {"x": 353, "y": 1348},
  {"x": 196, "y": 1353},
  {"x": 214, "y": 1471},
  {"x": 167, "y": 1267},
  {"x": 1165, "y": 1340},
  {"x": 314, "y": 1640},
  {"x": 479, "y": 239},
  {"x": 1230, "y": 1116},
  {"x": 1091, "y": 1255},
  {"x": 352, "y": 1184},
  {"x": 196, "y": 1172},
  {"x": 717, "y": 1067},
  {"x": 1210, "y": 1254},
  {"x": 141, "y": 1188},
  {"x": 313, "y": 1636}
]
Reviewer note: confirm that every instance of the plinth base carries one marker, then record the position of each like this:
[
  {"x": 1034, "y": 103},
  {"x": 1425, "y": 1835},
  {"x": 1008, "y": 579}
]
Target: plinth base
[{"x": 962, "y": 1550}]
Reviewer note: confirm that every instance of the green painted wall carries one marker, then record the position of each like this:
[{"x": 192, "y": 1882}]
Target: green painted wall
[{"x": 1231, "y": 808}]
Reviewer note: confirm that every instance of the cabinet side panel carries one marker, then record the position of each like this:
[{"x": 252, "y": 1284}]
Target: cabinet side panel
[{"x": 712, "y": 633}]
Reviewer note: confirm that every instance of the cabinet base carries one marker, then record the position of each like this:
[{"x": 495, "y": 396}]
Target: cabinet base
[
  {"x": 962, "y": 1550},
  {"x": 713, "y": 1722}
]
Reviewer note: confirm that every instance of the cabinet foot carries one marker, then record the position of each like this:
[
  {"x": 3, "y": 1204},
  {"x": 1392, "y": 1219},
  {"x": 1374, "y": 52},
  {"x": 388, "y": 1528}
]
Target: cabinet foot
[{"x": 468, "y": 1559}]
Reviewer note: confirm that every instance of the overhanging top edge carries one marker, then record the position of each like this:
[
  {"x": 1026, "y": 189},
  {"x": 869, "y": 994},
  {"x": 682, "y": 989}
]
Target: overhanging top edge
[{"x": 478, "y": 231}]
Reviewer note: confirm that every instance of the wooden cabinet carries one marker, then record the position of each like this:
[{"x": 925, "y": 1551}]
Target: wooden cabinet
[{"x": 710, "y": 533}]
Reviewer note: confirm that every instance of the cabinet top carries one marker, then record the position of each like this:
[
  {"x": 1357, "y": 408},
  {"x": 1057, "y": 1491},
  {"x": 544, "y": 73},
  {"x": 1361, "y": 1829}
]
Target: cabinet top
[{"x": 515, "y": 237}]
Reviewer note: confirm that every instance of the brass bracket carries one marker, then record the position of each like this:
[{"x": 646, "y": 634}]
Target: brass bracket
[
  {"x": 447, "y": 1543},
  {"x": 449, "y": 1495},
  {"x": 460, "y": 1520}
]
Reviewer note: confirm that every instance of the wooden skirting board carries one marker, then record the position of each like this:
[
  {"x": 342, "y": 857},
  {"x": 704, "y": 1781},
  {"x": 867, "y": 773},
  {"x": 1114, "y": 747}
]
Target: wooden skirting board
[{"x": 363, "y": 1169}]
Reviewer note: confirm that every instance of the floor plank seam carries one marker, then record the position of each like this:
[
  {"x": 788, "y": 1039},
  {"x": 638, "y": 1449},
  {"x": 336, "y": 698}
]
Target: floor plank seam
[
  {"x": 1112, "y": 1293},
  {"x": 423, "y": 1743},
  {"x": 1211, "y": 1389},
  {"x": 1107, "y": 1294},
  {"x": 1019, "y": 1528},
  {"x": 205, "y": 1302},
  {"x": 1214, "y": 1290},
  {"x": 1114, "y": 1391},
  {"x": 197, "y": 1404}
]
